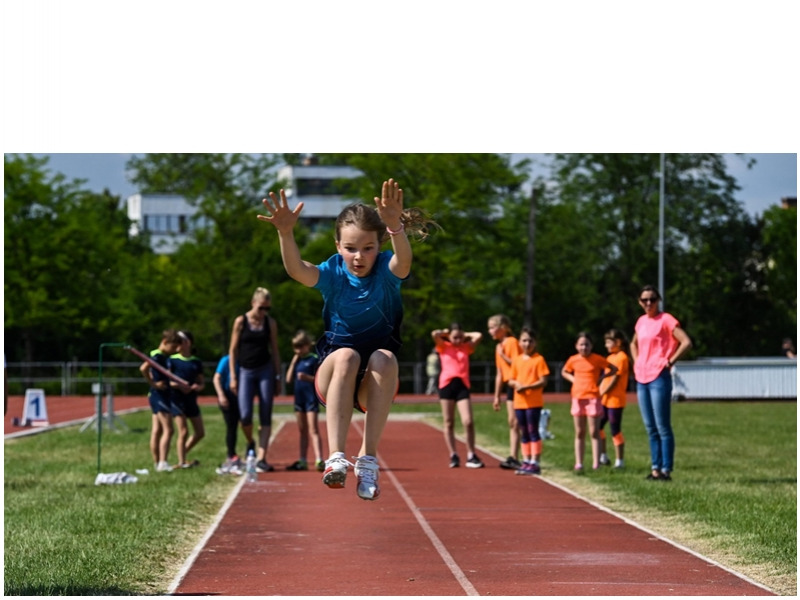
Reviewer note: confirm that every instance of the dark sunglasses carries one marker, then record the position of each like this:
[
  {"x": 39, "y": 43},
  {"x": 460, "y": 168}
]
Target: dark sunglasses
[
  {"x": 264, "y": 308},
  {"x": 648, "y": 300}
]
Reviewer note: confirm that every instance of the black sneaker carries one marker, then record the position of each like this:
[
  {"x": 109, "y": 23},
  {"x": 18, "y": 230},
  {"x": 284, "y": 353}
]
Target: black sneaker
[
  {"x": 474, "y": 463},
  {"x": 263, "y": 467},
  {"x": 298, "y": 465},
  {"x": 665, "y": 476},
  {"x": 510, "y": 463},
  {"x": 454, "y": 461},
  {"x": 654, "y": 476}
]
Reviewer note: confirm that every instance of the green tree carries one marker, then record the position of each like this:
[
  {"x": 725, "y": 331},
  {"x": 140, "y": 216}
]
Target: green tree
[
  {"x": 599, "y": 245},
  {"x": 460, "y": 273},
  {"x": 68, "y": 263},
  {"x": 216, "y": 272},
  {"x": 774, "y": 268}
]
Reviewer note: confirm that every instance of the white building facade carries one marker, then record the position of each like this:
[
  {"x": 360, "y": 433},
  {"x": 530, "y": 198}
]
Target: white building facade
[{"x": 169, "y": 219}]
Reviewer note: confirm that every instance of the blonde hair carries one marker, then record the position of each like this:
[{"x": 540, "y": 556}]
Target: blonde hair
[
  {"x": 501, "y": 321},
  {"x": 263, "y": 293},
  {"x": 301, "y": 338}
]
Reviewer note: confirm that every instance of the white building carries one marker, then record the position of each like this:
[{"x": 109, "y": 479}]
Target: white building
[
  {"x": 169, "y": 219},
  {"x": 319, "y": 188}
]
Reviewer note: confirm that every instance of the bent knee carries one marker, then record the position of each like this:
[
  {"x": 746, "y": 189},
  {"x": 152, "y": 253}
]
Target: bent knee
[
  {"x": 343, "y": 358},
  {"x": 380, "y": 360}
]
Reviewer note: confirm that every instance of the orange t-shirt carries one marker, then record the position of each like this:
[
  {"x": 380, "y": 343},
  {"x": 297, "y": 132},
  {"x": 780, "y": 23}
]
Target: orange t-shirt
[
  {"x": 510, "y": 347},
  {"x": 586, "y": 372},
  {"x": 526, "y": 370},
  {"x": 615, "y": 397}
]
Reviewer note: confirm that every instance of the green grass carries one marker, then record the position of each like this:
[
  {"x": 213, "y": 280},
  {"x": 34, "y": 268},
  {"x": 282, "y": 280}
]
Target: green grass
[
  {"x": 733, "y": 498},
  {"x": 66, "y": 536}
]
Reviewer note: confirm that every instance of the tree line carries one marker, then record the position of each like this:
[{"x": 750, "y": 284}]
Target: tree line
[{"x": 75, "y": 278}]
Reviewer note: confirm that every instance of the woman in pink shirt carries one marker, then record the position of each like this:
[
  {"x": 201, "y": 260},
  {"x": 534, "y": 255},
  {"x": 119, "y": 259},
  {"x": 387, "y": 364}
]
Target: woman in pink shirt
[{"x": 657, "y": 343}]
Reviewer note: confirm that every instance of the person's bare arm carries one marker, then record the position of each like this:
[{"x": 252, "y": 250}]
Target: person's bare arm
[{"x": 284, "y": 220}]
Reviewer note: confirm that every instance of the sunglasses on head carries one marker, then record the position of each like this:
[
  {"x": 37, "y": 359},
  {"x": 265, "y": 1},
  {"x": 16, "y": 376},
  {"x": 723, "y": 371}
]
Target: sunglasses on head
[{"x": 648, "y": 300}]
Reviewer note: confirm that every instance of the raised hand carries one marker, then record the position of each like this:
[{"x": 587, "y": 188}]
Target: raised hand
[
  {"x": 280, "y": 215},
  {"x": 390, "y": 204}
]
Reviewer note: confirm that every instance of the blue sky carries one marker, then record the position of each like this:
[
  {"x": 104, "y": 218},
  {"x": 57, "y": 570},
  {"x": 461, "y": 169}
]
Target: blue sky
[{"x": 771, "y": 178}]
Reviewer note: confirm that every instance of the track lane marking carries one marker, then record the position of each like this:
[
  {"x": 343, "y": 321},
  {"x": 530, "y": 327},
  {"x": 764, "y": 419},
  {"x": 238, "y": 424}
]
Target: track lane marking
[{"x": 447, "y": 558}]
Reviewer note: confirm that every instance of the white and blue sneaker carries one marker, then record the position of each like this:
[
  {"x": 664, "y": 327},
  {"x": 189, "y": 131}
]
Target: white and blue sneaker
[{"x": 366, "y": 470}]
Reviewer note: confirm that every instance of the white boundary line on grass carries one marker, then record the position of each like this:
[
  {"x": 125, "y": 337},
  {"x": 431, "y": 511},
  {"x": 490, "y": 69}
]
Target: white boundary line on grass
[
  {"x": 61, "y": 425},
  {"x": 631, "y": 523},
  {"x": 213, "y": 528}
]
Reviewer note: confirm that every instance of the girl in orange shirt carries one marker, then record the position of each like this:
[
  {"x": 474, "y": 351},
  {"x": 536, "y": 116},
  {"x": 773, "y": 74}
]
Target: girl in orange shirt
[
  {"x": 614, "y": 400},
  {"x": 586, "y": 371},
  {"x": 528, "y": 378}
]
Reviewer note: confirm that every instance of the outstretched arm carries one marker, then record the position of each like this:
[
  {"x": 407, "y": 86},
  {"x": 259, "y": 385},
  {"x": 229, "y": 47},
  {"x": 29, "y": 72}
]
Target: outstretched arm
[
  {"x": 284, "y": 220},
  {"x": 390, "y": 209}
]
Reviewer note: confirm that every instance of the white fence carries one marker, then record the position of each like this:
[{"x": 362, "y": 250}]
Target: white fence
[{"x": 735, "y": 378}]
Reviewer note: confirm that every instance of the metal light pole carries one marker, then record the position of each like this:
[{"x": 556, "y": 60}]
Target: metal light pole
[
  {"x": 661, "y": 234},
  {"x": 528, "y": 317}
]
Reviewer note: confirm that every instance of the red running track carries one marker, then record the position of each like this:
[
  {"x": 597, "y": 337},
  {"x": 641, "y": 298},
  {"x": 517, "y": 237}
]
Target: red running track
[{"x": 434, "y": 531}]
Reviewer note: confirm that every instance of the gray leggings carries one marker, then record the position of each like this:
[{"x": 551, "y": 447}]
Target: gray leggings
[{"x": 256, "y": 382}]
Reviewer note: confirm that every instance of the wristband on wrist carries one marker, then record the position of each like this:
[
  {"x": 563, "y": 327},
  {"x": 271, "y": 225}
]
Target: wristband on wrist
[{"x": 396, "y": 231}]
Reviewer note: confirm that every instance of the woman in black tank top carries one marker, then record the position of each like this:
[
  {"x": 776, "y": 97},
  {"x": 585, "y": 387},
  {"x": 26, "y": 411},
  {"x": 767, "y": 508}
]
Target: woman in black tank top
[{"x": 254, "y": 347}]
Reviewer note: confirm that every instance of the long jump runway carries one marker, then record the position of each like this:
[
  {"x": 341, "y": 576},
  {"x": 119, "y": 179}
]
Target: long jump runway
[{"x": 435, "y": 531}]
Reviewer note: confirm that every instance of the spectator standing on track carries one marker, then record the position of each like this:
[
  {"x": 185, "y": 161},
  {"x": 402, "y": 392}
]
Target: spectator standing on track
[
  {"x": 301, "y": 372},
  {"x": 528, "y": 378},
  {"x": 586, "y": 371},
  {"x": 432, "y": 368},
  {"x": 506, "y": 350},
  {"x": 184, "y": 398},
  {"x": 160, "y": 400},
  {"x": 454, "y": 346},
  {"x": 228, "y": 404},
  {"x": 362, "y": 314},
  {"x": 614, "y": 399},
  {"x": 657, "y": 343},
  {"x": 254, "y": 350}
]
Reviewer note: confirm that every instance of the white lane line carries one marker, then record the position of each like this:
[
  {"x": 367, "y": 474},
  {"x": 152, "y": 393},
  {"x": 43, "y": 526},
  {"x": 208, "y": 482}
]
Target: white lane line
[{"x": 437, "y": 543}]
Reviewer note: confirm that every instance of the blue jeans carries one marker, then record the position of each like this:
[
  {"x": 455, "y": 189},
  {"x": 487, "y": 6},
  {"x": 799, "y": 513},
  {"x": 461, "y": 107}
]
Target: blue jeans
[{"x": 655, "y": 404}]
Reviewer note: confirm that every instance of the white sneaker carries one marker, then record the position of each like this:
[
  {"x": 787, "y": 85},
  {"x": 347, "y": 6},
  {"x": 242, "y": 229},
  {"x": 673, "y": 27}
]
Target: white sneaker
[
  {"x": 366, "y": 470},
  {"x": 163, "y": 467},
  {"x": 335, "y": 470}
]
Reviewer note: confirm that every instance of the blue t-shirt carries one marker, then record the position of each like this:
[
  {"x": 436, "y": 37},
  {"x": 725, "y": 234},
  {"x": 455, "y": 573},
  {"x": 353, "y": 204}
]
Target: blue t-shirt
[
  {"x": 304, "y": 391},
  {"x": 224, "y": 370},
  {"x": 360, "y": 312}
]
